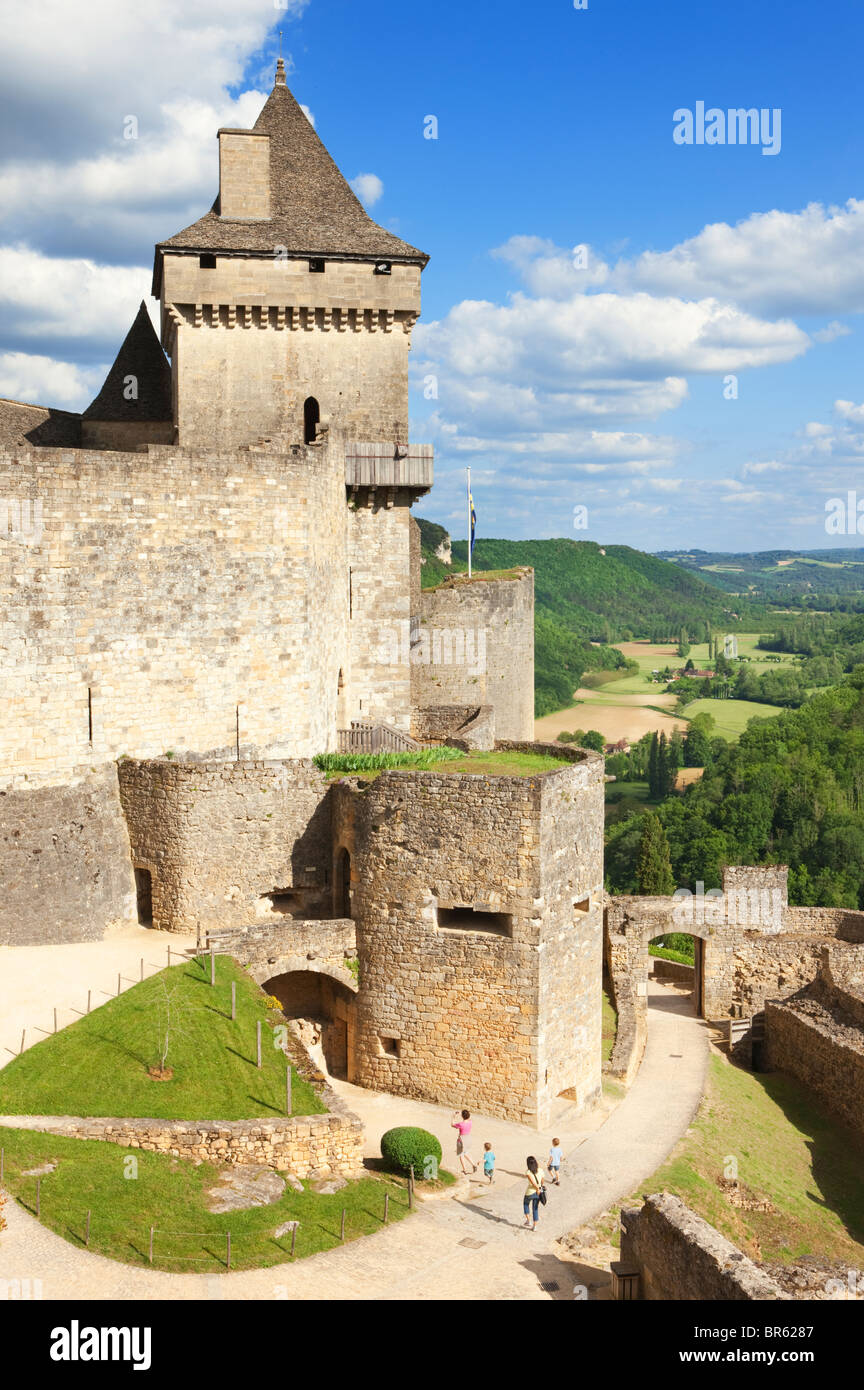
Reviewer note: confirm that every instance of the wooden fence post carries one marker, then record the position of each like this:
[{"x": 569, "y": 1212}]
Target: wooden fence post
[
  {"x": 142, "y": 970},
  {"x": 23, "y": 1031},
  {"x": 294, "y": 1236},
  {"x": 55, "y": 1020},
  {"x": 118, "y": 982},
  {"x": 411, "y": 1188},
  {"x": 386, "y": 1206},
  {"x": 89, "y": 992},
  {"x": 342, "y": 1232},
  {"x": 212, "y": 964}
]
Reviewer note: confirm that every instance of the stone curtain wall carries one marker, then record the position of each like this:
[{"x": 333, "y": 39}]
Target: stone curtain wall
[
  {"x": 168, "y": 589},
  {"x": 466, "y": 1017},
  {"x": 219, "y": 836},
  {"x": 571, "y": 930},
  {"x": 256, "y": 337},
  {"x": 498, "y": 613},
  {"x": 66, "y": 866},
  {"x": 305, "y": 1145},
  {"x": 683, "y": 1259}
]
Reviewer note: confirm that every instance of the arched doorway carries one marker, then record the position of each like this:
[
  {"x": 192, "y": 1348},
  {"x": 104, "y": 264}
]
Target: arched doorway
[
  {"x": 311, "y": 419},
  {"x": 327, "y": 1005},
  {"x": 342, "y": 884},
  {"x": 677, "y": 959}
]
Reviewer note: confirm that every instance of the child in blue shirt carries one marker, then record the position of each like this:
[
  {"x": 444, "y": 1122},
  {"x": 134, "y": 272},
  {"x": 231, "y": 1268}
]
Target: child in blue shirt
[{"x": 488, "y": 1162}]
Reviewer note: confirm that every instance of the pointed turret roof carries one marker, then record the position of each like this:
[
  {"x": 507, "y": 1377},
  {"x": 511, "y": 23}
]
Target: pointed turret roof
[
  {"x": 313, "y": 210},
  {"x": 140, "y": 356}
]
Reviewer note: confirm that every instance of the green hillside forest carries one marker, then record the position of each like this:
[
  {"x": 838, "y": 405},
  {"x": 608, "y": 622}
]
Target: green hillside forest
[
  {"x": 790, "y": 791},
  {"x": 590, "y": 594}
]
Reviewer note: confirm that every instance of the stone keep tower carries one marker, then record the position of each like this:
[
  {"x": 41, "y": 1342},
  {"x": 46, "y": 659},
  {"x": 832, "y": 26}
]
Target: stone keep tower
[{"x": 285, "y": 307}]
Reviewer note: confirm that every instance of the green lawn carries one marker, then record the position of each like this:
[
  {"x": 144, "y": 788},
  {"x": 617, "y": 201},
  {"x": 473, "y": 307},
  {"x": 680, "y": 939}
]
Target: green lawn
[
  {"x": 99, "y": 1064},
  {"x": 491, "y": 764},
  {"x": 731, "y": 716},
  {"x": 786, "y": 1149},
  {"x": 169, "y": 1194}
]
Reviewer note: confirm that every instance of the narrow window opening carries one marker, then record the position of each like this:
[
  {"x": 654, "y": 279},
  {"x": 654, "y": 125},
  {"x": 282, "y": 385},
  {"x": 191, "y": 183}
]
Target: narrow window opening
[
  {"x": 316, "y": 266},
  {"x": 144, "y": 896},
  {"x": 207, "y": 262},
  {"x": 382, "y": 268},
  {"x": 475, "y": 919},
  {"x": 90, "y": 715},
  {"x": 350, "y": 592},
  {"x": 390, "y": 1047},
  {"x": 311, "y": 418},
  {"x": 584, "y": 905}
]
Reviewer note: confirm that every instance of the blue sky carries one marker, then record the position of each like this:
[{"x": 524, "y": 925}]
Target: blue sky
[{"x": 603, "y": 383}]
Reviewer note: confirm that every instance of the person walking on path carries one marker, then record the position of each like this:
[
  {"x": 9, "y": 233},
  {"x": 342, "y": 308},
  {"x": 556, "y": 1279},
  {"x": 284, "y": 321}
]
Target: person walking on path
[
  {"x": 555, "y": 1162},
  {"x": 532, "y": 1191},
  {"x": 462, "y": 1123},
  {"x": 488, "y": 1162}
]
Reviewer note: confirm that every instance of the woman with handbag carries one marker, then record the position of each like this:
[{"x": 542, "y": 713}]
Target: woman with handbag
[{"x": 534, "y": 1193}]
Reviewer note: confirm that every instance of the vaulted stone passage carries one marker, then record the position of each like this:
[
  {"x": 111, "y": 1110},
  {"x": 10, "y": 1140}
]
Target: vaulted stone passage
[{"x": 326, "y": 1003}]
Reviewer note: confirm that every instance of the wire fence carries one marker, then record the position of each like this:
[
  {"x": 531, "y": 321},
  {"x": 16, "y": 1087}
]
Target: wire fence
[{"x": 224, "y": 1248}]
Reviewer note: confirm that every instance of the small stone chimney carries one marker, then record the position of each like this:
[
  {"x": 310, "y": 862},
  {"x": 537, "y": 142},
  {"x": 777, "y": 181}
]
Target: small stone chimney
[{"x": 244, "y": 175}]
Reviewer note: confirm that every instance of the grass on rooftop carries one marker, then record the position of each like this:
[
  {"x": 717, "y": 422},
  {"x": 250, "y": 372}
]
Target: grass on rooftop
[
  {"x": 443, "y": 759},
  {"x": 99, "y": 1064}
]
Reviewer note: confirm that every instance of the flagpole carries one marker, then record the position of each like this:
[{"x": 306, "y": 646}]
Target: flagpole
[{"x": 469, "y": 523}]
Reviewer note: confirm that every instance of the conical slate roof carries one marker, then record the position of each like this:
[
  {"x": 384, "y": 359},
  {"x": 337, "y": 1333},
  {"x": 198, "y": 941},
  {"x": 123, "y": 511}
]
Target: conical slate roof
[
  {"x": 140, "y": 357},
  {"x": 314, "y": 212}
]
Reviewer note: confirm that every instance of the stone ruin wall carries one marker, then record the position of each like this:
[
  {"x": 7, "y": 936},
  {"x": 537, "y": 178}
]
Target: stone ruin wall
[
  {"x": 467, "y": 1017},
  {"x": 681, "y": 1258},
  {"x": 491, "y": 622},
  {"x": 219, "y": 837}
]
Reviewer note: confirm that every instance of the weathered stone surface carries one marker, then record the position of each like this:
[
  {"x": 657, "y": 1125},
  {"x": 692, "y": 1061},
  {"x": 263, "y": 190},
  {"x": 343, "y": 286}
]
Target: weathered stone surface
[
  {"x": 245, "y": 1186},
  {"x": 681, "y": 1258}
]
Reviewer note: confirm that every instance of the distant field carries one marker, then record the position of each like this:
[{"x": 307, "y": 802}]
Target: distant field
[{"x": 732, "y": 716}]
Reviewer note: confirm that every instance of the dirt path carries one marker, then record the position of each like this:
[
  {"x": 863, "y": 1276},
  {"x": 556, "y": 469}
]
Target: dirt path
[{"x": 471, "y": 1247}]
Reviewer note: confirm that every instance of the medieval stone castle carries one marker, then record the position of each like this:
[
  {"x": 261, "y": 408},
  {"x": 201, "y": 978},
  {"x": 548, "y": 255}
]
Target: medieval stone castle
[{"x": 212, "y": 575}]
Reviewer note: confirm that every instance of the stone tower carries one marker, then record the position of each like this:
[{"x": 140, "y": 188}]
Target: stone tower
[{"x": 285, "y": 307}]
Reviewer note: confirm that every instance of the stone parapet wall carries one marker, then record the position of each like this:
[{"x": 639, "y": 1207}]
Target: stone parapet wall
[
  {"x": 268, "y": 950},
  {"x": 219, "y": 838},
  {"x": 672, "y": 970},
  {"x": 682, "y": 1259},
  {"x": 305, "y": 1145},
  {"x": 814, "y": 1039}
]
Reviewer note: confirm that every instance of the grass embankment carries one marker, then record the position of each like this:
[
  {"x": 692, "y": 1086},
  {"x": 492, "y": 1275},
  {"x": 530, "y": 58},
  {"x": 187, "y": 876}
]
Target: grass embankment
[
  {"x": 99, "y": 1065},
  {"x": 787, "y": 1150},
  {"x": 170, "y": 1195},
  {"x": 443, "y": 760}
]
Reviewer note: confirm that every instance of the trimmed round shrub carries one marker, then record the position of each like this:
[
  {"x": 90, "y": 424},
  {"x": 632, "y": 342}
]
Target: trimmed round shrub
[{"x": 407, "y": 1146}]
